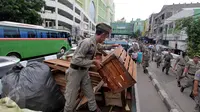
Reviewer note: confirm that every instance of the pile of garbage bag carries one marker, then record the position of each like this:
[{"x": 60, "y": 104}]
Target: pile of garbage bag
[
  {"x": 33, "y": 87},
  {"x": 8, "y": 105}
]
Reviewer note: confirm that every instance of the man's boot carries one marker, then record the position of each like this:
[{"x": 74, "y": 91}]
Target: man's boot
[
  {"x": 163, "y": 69},
  {"x": 178, "y": 84},
  {"x": 182, "y": 89},
  {"x": 191, "y": 96}
]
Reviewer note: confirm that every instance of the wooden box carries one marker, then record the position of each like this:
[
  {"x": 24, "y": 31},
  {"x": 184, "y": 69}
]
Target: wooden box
[{"x": 118, "y": 71}]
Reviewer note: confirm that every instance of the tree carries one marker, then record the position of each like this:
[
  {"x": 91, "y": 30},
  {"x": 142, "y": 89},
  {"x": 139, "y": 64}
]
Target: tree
[
  {"x": 25, "y": 11},
  {"x": 192, "y": 26},
  {"x": 137, "y": 34}
]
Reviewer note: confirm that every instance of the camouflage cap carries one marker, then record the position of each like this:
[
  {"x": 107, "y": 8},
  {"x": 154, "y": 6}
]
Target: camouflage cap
[
  {"x": 104, "y": 27},
  {"x": 196, "y": 56}
]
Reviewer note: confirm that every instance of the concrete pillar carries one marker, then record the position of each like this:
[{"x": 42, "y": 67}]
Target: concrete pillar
[{"x": 56, "y": 7}]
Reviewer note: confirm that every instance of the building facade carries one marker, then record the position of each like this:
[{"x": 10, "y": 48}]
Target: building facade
[
  {"x": 122, "y": 28},
  {"x": 138, "y": 25},
  {"x": 77, "y": 16},
  {"x": 177, "y": 38},
  {"x": 166, "y": 12}
]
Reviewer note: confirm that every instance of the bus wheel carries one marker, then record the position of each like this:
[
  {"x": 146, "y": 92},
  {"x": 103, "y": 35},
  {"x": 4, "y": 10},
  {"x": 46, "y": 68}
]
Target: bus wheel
[
  {"x": 62, "y": 50},
  {"x": 15, "y": 55}
]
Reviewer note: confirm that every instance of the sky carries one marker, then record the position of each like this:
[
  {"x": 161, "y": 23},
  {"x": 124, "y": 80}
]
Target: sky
[{"x": 142, "y": 8}]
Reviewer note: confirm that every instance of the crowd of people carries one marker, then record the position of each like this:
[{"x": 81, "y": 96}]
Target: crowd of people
[{"x": 183, "y": 67}]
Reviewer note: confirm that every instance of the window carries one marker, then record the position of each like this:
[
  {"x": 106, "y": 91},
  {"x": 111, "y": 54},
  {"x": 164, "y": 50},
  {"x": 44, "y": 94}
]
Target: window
[
  {"x": 27, "y": 33},
  {"x": 10, "y": 32},
  {"x": 1, "y": 32},
  {"x": 63, "y": 35},
  {"x": 42, "y": 34},
  {"x": 53, "y": 34}
]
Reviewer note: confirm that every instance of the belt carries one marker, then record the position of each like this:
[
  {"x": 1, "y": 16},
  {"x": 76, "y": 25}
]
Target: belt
[
  {"x": 181, "y": 65},
  {"x": 191, "y": 74},
  {"x": 76, "y": 67}
]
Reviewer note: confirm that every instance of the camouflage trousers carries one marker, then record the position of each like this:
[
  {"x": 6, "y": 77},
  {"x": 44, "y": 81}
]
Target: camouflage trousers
[{"x": 77, "y": 79}]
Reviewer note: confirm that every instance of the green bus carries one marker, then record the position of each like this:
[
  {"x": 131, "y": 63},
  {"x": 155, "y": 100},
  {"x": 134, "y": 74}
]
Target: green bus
[{"x": 26, "y": 41}]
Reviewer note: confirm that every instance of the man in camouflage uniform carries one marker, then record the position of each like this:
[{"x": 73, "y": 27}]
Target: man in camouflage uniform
[
  {"x": 181, "y": 61},
  {"x": 145, "y": 60},
  {"x": 167, "y": 64},
  {"x": 158, "y": 59},
  {"x": 77, "y": 74},
  {"x": 196, "y": 91},
  {"x": 190, "y": 69}
]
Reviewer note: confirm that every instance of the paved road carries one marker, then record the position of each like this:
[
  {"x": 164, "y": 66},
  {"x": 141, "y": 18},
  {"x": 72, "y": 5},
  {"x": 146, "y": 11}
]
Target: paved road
[
  {"x": 149, "y": 99},
  {"x": 169, "y": 83}
]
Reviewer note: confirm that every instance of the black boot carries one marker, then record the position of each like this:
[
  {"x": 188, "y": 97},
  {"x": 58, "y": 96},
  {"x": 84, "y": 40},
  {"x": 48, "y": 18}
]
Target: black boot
[
  {"x": 191, "y": 96},
  {"x": 163, "y": 69},
  {"x": 182, "y": 89},
  {"x": 178, "y": 84}
]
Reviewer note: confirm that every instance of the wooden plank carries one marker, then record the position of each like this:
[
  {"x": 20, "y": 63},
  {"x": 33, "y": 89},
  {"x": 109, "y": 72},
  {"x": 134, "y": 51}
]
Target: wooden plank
[
  {"x": 123, "y": 56},
  {"x": 134, "y": 75},
  {"x": 118, "y": 52},
  {"x": 131, "y": 67},
  {"x": 57, "y": 67},
  {"x": 115, "y": 75},
  {"x": 126, "y": 64},
  {"x": 106, "y": 78},
  {"x": 59, "y": 62},
  {"x": 95, "y": 89},
  {"x": 121, "y": 71}
]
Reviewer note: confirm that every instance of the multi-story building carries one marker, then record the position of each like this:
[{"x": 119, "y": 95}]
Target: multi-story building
[
  {"x": 177, "y": 38},
  {"x": 151, "y": 26},
  {"x": 166, "y": 12},
  {"x": 138, "y": 25},
  {"x": 146, "y": 28},
  {"x": 122, "y": 28},
  {"x": 77, "y": 14}
]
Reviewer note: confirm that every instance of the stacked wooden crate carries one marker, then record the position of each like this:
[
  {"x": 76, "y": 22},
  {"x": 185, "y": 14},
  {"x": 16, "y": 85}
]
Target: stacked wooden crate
[{"x": 118, "y": 71}]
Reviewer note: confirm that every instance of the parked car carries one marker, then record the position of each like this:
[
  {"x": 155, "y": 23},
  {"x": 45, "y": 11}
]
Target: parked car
[
  {"x": 123, "y": 43},
  {"x": 7, "y": 63}
]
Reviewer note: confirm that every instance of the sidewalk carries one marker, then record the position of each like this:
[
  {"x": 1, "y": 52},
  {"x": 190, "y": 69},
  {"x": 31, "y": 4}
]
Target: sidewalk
[
  {"x": 169, "y": 83},
  {"x": 149, "y": 99}
]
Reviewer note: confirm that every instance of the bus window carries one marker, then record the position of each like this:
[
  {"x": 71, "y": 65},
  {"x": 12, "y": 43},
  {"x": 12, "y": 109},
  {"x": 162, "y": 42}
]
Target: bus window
[
  {"x": 53, "y": 34},
  {"x": 63, "y": 35},
  {"x": 1, "y": 32},
  {"x": 10, "y": 32},
  {"x": 42, "y": 34},
  {"x": 27, "y": 33}
]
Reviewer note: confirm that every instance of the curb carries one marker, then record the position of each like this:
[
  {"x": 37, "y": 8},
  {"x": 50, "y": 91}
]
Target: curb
[{"x": 163, "y": 95}]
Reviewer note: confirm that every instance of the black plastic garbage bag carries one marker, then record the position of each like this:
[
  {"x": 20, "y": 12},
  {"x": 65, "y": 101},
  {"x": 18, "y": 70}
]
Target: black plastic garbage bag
[{"x": 33, "y": 87}]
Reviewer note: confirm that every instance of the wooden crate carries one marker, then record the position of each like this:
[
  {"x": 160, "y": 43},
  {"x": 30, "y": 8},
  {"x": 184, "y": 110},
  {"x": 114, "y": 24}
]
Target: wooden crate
[{"x": 118, "y": 71}]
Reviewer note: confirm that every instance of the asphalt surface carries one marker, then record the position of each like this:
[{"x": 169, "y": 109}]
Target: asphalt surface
[
  {"x": 149, "y": 99},
  {"x": 169, "y": 82}
]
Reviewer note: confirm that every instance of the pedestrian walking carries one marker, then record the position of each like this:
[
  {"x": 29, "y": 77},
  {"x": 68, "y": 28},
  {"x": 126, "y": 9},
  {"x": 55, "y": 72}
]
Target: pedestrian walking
[
  {"x": 167, "y": 62},
  {"x": 181, "y": 62},
  {"x": 77, "y": 74},
  {"x": 190, "y": 69},
  {"x": 145, "y": 60},
  {"x": 158, "y": 59},
  {"x": 196, "y": 91},
  {"x": 133, "y": 48}
]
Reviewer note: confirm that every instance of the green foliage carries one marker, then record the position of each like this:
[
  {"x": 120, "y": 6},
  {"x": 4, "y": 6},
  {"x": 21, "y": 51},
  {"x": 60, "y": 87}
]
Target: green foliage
[
  {"x": 192, "y": 27},
  {"x": 136, "y": 34},
  {"x": 25, "y": 11}
]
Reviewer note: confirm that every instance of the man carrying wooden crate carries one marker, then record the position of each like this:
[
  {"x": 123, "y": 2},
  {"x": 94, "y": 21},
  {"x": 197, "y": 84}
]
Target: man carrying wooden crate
[{"x": 77, "y": 74}]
